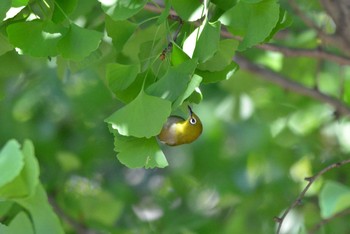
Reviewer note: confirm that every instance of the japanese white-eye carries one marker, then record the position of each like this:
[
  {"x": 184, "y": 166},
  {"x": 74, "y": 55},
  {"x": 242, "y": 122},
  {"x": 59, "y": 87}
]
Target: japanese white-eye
[{"x": 178, "y": 131}]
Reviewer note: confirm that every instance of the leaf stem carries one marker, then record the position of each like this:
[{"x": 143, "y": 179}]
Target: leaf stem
[{"x": 62, "y": 11}]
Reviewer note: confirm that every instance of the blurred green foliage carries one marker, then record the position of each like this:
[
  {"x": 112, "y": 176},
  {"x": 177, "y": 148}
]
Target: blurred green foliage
[{"x": 258, "y": 145}]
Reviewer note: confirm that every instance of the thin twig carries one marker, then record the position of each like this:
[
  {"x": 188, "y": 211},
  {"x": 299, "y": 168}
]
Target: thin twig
[
  {"x": 311, "y": 24},
  {"x": 78, "y": 227},
  {"x": 276, "y": 78},
  {"x": 310, "y": 181},
  {"x": 313, "y": 53},
  {"x": 308, "y": 22},
  {"x": 327, "y": 220},
  {"x": 287, "y": 51}
]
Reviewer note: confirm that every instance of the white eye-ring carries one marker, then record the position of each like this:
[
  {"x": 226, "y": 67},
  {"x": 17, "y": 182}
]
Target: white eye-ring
[{"x": 193, "y": 121}]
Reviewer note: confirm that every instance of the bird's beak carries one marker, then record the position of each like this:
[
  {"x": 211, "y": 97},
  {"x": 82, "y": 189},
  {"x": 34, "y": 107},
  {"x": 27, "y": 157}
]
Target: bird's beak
[{"x": 191, "y": 112}]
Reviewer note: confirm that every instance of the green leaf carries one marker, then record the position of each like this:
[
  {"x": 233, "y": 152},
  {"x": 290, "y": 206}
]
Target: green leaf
[
  {"x": 225, "y": 74},
  {"x": 68, "y": 161},
  {"x": 131, "y": 92},
  {"x": 196, "y": 97},
  {"x": 174, "y": 82},
  {"x": 67, "y": 6},
  {"x": 222, "y": 58},
  {"x": 5, "y": 5},
  {"x": 122, "y": 9},
  {"x": 252, "y": 1},
  {"x": 120, "y": 31},
  {"x": 178, "y": 56},
  {"x": 5, "y": 45},
  {"x": 120, "y": 76},
  {"x": 149, "y": 55},
  {"x": 79, "y": 42},
  {"x": 139, "y": 152},
  {"x": 334, "y": 197},
  {"x": 191, "y": 87},
  {"x": 165, "y": 12},
  {"x": 19, "y": 3},
  {"x": 188, "y": 10},
  {"x": 284, "y": 21},
  {"x": 98, "y": 203},
  {"x": 224, "y": 4},
  {"x": 253, "y": 21},
  {"x": 20, "y": 224},
  {"x": 44, "y": 219},
  {"x": 36, "y": 38},
  {"x": 151, "y": 34},
  {"x": 11, "y": 162},
  {"x": 143, "y": 117},
  {"x": 25, "y": 183},
  {"x": 207, "y": 44}
]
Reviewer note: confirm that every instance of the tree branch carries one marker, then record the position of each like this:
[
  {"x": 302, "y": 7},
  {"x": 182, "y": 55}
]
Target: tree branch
[
  {"x": 287, "y": 51},
  {"x": 310, "y": 181},
  {"x": 327, "y": 220},
  {"x": 340, "y": 107},
  {"x": 312, "y": 53},
  {"x": 78, "y": 227}
]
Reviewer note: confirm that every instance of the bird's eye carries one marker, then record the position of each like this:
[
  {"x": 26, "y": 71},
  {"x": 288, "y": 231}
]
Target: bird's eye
[{"x": 193, "y": 121}]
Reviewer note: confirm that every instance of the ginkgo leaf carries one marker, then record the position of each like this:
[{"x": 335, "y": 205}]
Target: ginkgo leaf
[
  {"x": 174, "y": 82},
  {"x": 122, "y": 9},
  {"x": 79, "y": 42},
  {"x": 36, "y": 38},
  {"x": 206, "y": 45},
  {"x": 139, "y": 152},
  {"x": 254, "y": 20},
  {"x": 143, "y": 117},
  {"x": 11, "y": 162}
]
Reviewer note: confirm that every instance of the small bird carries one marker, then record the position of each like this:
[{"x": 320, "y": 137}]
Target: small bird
[{"x": 178, "y": 131}]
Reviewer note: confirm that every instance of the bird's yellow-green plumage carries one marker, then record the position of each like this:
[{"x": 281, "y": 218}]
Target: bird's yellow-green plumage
[{"x": 178, "y": 131}]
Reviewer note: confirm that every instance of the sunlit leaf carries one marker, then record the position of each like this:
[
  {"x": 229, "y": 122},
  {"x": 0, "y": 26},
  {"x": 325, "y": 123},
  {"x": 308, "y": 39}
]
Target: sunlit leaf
[
  {"x": 189, "y": 10},
  {"x": 79, "y": 42},
  {"x": 174, "y": 82},
  {"x": 25, "y": 183},
  {"x": 225, "y": 74},
  {"x": 122, "y": 9},
  {"x": 120, "y": 31},
  {"x": 253, "y": 21},
  {"x": 153, "y": 34},
  {"x": 206, "y": 45},
  {"x": 224, "y": 4},
  {"x": 191, "y": 87},
  {"x": 139, "y": 152},
  {"x": 36, "y": 38},
  {"x": 178, "y": 56},
  {"x": 334, "y": 197},
  {"x": 5, "y": 46},
  {"x": 120, "y": 76},
  {"x": 19, "y": 3},
  {"x": 41, "y": 213},
  {"x": 62, "y": 9},
  {"x": 21, "y": 223},
  {"x": 11, "y": 162},
  {"x": 5, "y": 5},
  {"x": 143, "y": 117},
  {"x": 222, "y": 58}
]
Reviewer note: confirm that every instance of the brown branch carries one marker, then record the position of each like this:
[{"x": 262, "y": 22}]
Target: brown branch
[
  {"x": 310, "y": 181},
  {"x": 276, "y": 78},
  {"x": 313, "y": 53},
  {"x": 78, "y": 227},
  {"x": 327, "y": 220},
  {"x": 287, "y": 51},
  {"x": 308, "y": 22}
]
